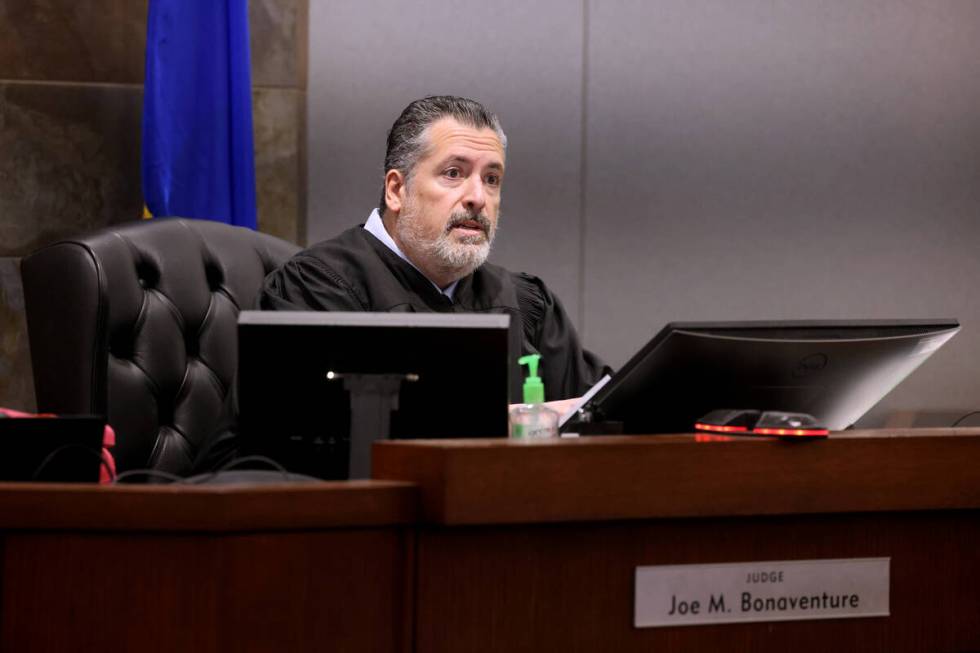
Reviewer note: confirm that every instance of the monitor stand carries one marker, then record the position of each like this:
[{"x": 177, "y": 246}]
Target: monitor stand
[{"x": 372, "y": 399}]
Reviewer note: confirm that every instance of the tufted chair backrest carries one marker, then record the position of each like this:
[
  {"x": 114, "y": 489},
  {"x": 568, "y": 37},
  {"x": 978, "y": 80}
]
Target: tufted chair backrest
[{"x": 138, "y": 322}]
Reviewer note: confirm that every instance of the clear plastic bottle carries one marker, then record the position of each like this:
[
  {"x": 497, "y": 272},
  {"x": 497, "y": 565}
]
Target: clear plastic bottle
[{"x": 532, "y": 420}]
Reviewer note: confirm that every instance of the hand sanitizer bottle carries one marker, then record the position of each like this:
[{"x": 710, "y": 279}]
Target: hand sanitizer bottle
[{"x": 532, "y": 420}]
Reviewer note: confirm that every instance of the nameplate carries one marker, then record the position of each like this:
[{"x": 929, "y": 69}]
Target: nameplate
[{"x": 789, "y": 590}]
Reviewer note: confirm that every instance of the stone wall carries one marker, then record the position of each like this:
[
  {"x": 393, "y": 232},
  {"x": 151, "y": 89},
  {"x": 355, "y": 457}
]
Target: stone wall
[{"x": 71, "y": 76}]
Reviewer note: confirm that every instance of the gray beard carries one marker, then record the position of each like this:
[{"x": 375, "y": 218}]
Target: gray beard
[{"x": 453, "y": 257}]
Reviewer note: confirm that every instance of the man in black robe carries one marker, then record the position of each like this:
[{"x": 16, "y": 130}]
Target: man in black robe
[{"x": 424, "y": 248}]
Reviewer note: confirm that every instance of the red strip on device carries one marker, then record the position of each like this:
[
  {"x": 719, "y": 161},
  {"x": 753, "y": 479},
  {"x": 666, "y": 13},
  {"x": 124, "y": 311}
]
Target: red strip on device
[
  {"x": 721, "y": 429},
  {"x": 793, "y": 432}
]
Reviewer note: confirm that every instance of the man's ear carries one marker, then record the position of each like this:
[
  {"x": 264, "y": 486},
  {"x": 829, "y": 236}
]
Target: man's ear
[{"x": 394, "y": 190}]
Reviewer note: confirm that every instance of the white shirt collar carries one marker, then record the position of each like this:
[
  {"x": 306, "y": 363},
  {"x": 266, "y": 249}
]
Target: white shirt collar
[{"x": 376, "y": 227}]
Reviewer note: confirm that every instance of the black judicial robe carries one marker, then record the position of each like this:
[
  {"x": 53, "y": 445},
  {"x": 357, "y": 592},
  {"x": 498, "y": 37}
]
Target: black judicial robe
[{"x": 357, "y": 272}]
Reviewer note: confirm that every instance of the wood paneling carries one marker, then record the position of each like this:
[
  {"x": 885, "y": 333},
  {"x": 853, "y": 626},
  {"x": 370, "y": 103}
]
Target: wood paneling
[
  {"x": 603, "y": 478},
  {"x": 235, "y": 568},
  {"x": 569, "y": 587},
  {"x": 502, "y": 547},
  {"x": 213, "y": 508},
  {"x": 533, "y": 547},
  {"x": 301, "y": 591}
]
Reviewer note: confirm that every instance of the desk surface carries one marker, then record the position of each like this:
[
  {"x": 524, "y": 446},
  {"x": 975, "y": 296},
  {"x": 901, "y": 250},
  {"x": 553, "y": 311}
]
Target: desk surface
[
  {"x": 610, "y": 478},
  {"x": 207, "y": 508},
  {"x": 583, "y": 479}
]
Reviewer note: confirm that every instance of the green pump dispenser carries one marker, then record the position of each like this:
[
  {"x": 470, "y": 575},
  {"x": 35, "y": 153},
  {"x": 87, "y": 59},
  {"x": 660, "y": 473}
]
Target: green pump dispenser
[
  {"x": 533, "y": 420},
  {"x": 533, "y": 387}
]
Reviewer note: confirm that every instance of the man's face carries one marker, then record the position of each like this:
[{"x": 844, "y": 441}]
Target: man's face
[{"x": 448, "y": 210}]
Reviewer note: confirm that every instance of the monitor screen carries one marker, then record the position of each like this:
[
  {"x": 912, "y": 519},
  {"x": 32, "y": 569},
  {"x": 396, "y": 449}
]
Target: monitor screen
[
  {"x": 835, "y": 371},
  {"x": 311, "y": 383}
]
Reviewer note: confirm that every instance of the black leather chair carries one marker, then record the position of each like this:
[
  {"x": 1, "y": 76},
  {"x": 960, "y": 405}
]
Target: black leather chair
[{"x": 137, "y": 322}]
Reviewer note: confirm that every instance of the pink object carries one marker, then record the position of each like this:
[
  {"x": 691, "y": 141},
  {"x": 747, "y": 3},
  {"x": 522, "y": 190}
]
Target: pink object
[{"x": 107, "y": 472}]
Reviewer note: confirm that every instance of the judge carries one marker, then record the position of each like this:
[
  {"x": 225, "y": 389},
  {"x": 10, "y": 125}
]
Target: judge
[{"x": 424, "y": 248}]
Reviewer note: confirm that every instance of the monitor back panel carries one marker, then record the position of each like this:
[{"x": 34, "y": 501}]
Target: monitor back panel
[{"x": 295, "y": 405}]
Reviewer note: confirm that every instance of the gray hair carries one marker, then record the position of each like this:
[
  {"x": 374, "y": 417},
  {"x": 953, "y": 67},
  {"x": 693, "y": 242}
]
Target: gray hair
[{"x": 407, "y": 139}]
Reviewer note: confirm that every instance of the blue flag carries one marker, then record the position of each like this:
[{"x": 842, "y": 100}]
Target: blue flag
[{"x": 198, "y": 159}]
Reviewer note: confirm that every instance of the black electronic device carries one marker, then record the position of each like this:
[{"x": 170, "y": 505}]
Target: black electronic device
[
  {"x": 757, "y": 422},
  {"x": 315, "y": 389},
  {"x": 58, "y": 449},
  {"x": 833, "y": 370}
]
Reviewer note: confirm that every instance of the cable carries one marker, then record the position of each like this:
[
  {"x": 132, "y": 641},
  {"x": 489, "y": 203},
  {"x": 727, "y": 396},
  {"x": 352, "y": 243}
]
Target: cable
[
  {"x": 173, "y": 478},
  {"x": 235, "y": 463},
  {"x": 203, "y": 478},
  {"x": 957, "y": 422},
  {"x": 103, "y": 462}
]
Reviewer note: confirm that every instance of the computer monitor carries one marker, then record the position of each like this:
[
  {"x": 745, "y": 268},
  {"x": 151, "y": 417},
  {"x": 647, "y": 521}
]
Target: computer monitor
[
  {"x": 316, "y": 388},
  {"x": 833, "y": 370}
]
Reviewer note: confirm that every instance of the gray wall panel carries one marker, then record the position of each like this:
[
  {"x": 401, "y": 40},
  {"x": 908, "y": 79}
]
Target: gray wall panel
[
  {"x": 523, "y": 60},
  {"x": 785, "y": 160},
  {"x": 758, "y": 159}
]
